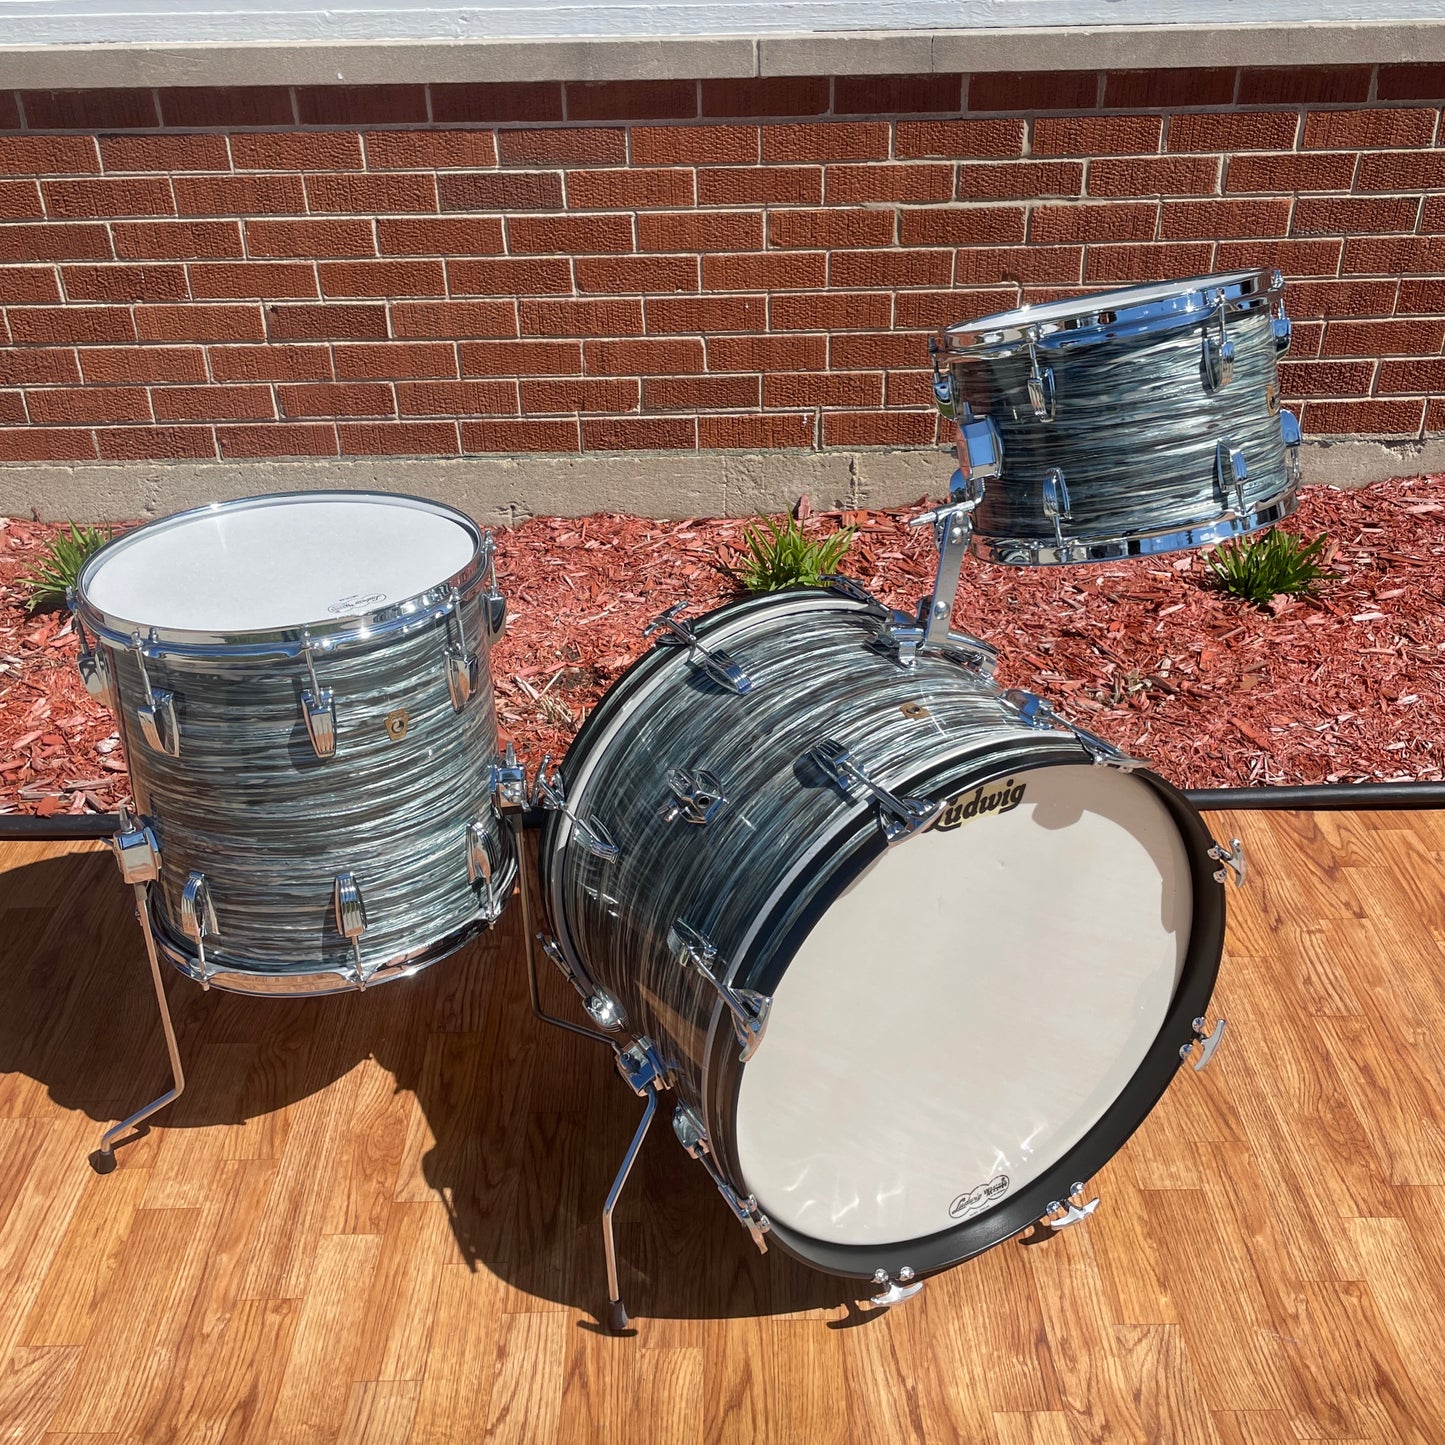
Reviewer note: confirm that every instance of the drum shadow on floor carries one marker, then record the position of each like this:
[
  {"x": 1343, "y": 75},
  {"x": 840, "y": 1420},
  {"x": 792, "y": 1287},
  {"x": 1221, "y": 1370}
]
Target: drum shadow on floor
[{"x": 528, "y": 1123}]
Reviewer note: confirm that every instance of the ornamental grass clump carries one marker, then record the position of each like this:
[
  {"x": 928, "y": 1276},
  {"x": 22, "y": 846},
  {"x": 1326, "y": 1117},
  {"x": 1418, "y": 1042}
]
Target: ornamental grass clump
[
  {"x": 784, "y": 556},
  {"x": 1260, "y": 569},
  {"x": 60, "y": 565}
]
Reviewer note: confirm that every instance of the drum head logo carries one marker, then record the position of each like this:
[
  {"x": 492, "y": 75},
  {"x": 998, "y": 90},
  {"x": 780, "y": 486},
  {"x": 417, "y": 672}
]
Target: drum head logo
[
  {"x": 1002, "y": 798},
  {"x": 977, "y": 1200},
  {"x": 358, "y": 603}
]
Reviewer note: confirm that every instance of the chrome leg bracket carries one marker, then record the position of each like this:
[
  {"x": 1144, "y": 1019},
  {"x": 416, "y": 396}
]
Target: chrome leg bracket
[
  {"x": 639, "y": 1066},
  {"x": 102, "y": 1160},
  {"x": 513, "y": 818}
]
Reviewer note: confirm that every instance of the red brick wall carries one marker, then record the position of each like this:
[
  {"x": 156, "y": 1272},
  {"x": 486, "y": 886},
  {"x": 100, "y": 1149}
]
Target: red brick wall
[{"x": 463, "y": 269}]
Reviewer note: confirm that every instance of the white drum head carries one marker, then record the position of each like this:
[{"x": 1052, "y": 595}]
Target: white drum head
[
  {"x": 968, "y": 1010},
  {"x": 273, "y": 563}
]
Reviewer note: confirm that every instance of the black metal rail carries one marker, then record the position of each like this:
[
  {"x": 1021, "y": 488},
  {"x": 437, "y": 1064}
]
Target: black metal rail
[{"x": 1306, "y": 798}]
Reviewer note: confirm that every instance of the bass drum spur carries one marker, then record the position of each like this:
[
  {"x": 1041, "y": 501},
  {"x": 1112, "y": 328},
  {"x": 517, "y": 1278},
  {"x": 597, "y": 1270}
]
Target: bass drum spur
[
  {"x": 913, "y": 962},
  {"x": 303, "y": 689},
  {"x": 1123, "y": 424}
]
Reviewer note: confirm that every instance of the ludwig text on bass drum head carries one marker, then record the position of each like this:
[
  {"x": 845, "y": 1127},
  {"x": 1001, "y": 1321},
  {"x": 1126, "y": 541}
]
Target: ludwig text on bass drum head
[
  {"x": 1125, "y": 423},
  {"x": 302, "y": 685},
  {"x": 913, "y": 961}
]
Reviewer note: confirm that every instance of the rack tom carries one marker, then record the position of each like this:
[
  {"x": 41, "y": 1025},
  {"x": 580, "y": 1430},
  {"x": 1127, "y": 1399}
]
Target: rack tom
[
  {"x": 302, "y": 685},
  {"x": 1123, "y": 424}
]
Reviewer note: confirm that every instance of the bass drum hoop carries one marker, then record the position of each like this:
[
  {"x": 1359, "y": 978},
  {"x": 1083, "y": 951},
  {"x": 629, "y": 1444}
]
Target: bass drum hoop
[{"x": 722, "y": 1075}]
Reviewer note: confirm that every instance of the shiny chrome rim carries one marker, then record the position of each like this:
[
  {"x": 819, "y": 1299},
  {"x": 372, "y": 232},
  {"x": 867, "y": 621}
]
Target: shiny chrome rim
[
  {"x": 1089, "y": 320},
  {"x": 1032, "y": 552},
  {"x": 313, "y": 982},
  {"x": 437, "y": 601}
]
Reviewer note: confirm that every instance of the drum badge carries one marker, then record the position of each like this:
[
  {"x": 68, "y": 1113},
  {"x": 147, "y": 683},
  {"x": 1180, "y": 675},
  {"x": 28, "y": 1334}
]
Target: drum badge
[
  {"x": 967, "y": 1205},
  {"x": 396, "y": 724}
]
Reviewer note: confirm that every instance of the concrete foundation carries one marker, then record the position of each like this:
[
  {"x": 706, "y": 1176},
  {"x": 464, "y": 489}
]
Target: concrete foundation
[{"x": 499, "y": 491}]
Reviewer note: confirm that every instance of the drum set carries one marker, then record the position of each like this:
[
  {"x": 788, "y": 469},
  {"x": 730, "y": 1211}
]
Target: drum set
[{"x": 912, "y": 955}]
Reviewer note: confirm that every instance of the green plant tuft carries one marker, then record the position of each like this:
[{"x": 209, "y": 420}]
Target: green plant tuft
[
  {"x": 784, "y": 556},
  {"x": 1258, "y": 569},
  {"x": 60, "y": 565}
]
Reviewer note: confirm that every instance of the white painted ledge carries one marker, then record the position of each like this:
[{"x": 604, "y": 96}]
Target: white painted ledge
[{"x": 360, "y": 61}]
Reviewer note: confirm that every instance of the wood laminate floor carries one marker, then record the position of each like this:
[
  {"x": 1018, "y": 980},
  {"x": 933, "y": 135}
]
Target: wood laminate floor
[{"x": 374, "y": 1218}]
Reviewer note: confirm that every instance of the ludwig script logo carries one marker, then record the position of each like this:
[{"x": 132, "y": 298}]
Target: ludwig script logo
[
  {"x": 1002, "y": 799},
  {"x": 977, "y": 1200}
]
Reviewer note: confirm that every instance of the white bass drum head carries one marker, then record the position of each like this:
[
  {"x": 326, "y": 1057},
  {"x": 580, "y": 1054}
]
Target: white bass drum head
[
  {"x": 272, "y": 563},
  {"x": 967, "y": 1011}
]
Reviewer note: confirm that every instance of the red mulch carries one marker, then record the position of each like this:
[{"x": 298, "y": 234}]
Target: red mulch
[{"x": 1349, "y": 686}]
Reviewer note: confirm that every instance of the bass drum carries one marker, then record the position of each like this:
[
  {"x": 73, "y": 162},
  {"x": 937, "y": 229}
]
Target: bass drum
[{"x": 951, "y": 1025}]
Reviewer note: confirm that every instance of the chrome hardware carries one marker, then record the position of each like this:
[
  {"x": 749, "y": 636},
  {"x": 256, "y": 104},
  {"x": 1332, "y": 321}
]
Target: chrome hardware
[
  {"x": 464, "y": 673},
  {"x": 318, "y": 707},
  {"x": 1038, "y": 713},
  {"x": 1208, "y": 1043},
  {"x": 1233, "y": 859},
  {"x": 693, "y": 1138},
  {"x": 494, "y": 604},
  {"x": 1230, "y": 474},
  {"x": 953, "y": 531},
  {"x": 157, "y": 715},
  {"x": 1289, "y": 430},
  {"x": 91, "y": 663},
  {"x": 1104, "y": 754},
  {"x": 943, "y": 397},
  {"x": 508, "y": 783},
  {"x": 602, "y": 1008},
  {"x": 639, "y": 1065},
  {"x": 749, "y": 1008},
  {"x": 479, "y": 862},
  {"x": 198, "y": 919},
  {"x": 892, "y": 1291},
  {"x": 718, "y": 664},
  {"x": 351, "y": 920},
  {"x": 1033, "y": 711},
  {"x": 848, "y": 587},
  {"x": 1281, "y": 328},
  {"x": 102, "y": 1160},
  {"x": 464, "y": 667},
  {"x": 979, "y": 451},
  {"x": 550, "y": 792},
  {"x": 1218, "y": 357},
  {"x": 1041, "y": 379},
  {"x": 1056, "y": 503},
  {"x": 906, "y": 816},
  {"x": 134, "y": 846},
  {"x": 697, "y": 796},
  {"x": 1071, "y": 1213}
]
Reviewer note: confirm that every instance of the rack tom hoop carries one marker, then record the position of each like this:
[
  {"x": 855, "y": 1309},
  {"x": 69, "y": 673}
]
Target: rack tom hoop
[
  {"x": 914, "y": 962},
  {"x": 1123, "y": 424},
  {"x": 302, "y": 686}
]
